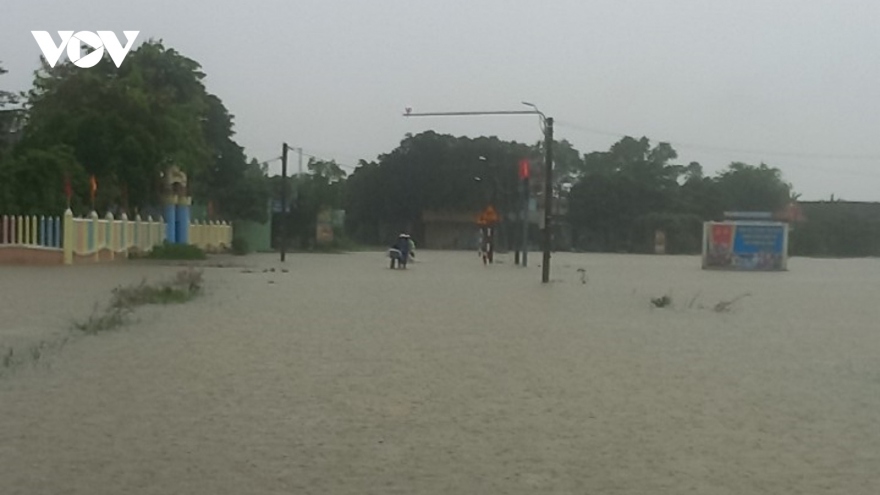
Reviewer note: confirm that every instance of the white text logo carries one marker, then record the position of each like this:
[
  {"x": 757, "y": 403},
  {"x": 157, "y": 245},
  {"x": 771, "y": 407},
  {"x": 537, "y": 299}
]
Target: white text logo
[{"x": 98, "y": 42}]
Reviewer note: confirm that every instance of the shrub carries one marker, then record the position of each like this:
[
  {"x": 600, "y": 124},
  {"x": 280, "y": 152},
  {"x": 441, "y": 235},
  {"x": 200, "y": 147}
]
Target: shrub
[
  {"x": 240, "y": 246},
  {"x": 168, "y": 251},
  {"x": 185, "y": 285}
]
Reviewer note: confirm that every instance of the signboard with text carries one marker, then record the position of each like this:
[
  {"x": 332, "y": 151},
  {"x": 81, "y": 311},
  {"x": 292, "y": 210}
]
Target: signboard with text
[{"x": 745, "y": 245}]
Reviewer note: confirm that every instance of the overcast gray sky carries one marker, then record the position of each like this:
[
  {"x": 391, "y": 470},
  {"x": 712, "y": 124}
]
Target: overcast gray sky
[{"x": 793, "y": 83}]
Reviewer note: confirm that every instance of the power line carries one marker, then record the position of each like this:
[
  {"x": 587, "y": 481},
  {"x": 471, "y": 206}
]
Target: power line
[
  {"x": 316, "y": 157},
  {"x": 827, "y": 156},
  {"x": 270, "y": 161},
  {"x": 343, "y": 165}
]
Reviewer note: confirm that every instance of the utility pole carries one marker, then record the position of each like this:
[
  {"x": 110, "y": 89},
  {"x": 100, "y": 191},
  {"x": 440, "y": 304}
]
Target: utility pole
[
  {"x": 300, "y": 151},
  {"x": 492, "y": 175},
  {"x": 283, "y": 225},
  {"x": 548, "y": 198},
  {"x": 525, "y": 220}
]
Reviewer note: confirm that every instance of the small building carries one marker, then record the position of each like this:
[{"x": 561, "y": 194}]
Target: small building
[{"x": 450, "y": 230}]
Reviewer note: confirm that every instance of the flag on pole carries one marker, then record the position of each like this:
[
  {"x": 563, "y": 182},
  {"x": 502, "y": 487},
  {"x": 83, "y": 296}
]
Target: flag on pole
[{"x": 93, "y": 183}]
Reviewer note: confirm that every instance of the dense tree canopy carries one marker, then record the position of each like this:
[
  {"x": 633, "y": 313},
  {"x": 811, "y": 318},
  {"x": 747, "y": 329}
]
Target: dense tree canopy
[
  {"x": 125, "y": 126},
  {"x": 617, "y": 198},
  {"x": 432, "y": 172}
]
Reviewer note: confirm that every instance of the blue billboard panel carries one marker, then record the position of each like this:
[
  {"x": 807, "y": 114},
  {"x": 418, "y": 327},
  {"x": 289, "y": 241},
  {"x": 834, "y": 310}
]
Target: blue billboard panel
[{"x": 745, "y": 246}]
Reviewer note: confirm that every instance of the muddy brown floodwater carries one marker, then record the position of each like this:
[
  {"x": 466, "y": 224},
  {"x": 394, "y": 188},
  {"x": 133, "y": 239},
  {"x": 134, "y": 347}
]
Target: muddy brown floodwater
[{"x": 344, "y": 377}]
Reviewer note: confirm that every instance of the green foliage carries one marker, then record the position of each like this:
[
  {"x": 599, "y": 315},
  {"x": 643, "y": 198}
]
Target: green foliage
[
  {"x": 837, "y": 228},
  {"x": 185, "y": 285},
  {"x": 431, "y": 171},
  {"x": 684, "y": 231},
  {"x": 126, "y": 126},
  {"x": 632, "y": 190},
  {"x": 6, "y": 97},
  {"x": 322, "y": 188},
  {"x": 344, "y": 243},
  {"x": 103, "y": 321},
  {"x": 32, "y": 182},
  {"x": 753, "y": 188},
  {"x": 168, "y": 251},
  {"x": 625, "y": 194},
  {"x": 240, "y": 246}
]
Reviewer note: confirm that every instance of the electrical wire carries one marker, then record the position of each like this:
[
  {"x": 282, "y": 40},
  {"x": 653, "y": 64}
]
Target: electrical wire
[{"x": 827, "y": 156}]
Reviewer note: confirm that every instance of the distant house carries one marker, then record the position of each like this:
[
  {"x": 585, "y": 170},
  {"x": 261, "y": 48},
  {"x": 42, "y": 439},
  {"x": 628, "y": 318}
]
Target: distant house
[
  {"x": 449, "y": 230},
  {"x": 869, "y": 210}
]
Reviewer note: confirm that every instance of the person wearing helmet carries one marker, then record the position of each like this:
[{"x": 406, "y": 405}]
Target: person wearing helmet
[{"x": 400, "y": 251}]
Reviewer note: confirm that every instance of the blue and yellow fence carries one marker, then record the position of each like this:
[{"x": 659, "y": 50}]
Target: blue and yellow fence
[
  {"x": 33, "y": 230},
  {"x": 69, "y": 240}
]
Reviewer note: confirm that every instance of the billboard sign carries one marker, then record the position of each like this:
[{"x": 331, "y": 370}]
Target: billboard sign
[{"x": 745, "y": 245}]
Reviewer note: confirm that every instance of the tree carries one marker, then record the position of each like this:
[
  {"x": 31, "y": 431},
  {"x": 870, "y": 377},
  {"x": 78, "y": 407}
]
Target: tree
[
  {"x": 38, "y": 179},
  {"x": 432, "y": 172},
  {"x": 238, "y": 189},
  {"x": 613, "y": 205},
  {"x": 320, "y": 189},
  {"x": 127, "y": 125},
  {"x": 753, "y": 188},
  {"x": 6, "y": 97},
  {"x": 7, "y": 117}
]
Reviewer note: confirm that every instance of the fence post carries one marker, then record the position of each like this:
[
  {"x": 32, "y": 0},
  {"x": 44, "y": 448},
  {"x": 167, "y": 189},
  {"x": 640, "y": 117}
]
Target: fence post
[
  {"x": 136, "y": 238},
  {"x": 123, "y": 235},
  {"x": 93, "y": 235},
  {"x": 110, "y": 235},
  {"x": 68, "y": 242}
]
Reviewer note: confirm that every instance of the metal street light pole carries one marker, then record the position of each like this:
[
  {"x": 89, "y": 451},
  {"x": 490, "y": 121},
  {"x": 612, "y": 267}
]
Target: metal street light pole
[
  {"x": 548, "y": 199},
  {"x": 548, "y": 192},
  {"x": 283, "y": 226},
  {"x": 492, "y": 175},
  {"x": 548, "y": 167}
]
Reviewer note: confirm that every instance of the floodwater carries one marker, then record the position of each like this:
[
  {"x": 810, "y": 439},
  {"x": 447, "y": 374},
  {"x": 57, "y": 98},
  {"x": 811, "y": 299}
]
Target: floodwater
[{"x": 344, "y": 377}]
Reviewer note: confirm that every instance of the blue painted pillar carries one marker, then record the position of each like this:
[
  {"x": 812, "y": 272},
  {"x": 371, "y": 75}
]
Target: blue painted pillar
[
  {"x": 57, "y": 239},
  {"x": 171, "y": 223},
  {"x": 43, "y": 241},
  {"x": 183, "y": 212}
]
